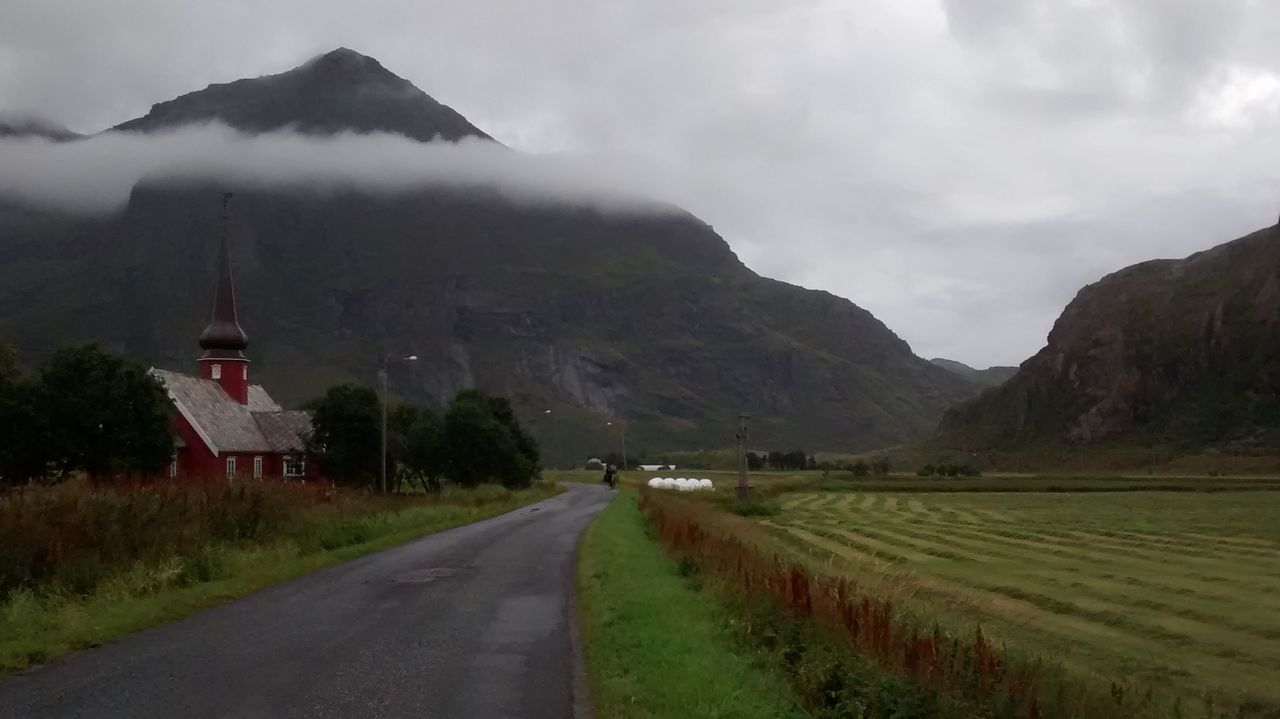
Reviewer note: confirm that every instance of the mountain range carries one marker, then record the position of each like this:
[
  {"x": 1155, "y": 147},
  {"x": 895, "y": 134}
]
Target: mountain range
[
  {"x": 646, "y": 320},
  {"x": 1180, "y": 356},
  {"x": 989, "y": 377}
]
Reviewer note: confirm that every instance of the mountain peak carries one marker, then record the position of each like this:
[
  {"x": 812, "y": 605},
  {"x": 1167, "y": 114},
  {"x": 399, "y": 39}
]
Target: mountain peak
[
  {"x": 346, "y": 64},
  {"x": 339, "y": 91}
]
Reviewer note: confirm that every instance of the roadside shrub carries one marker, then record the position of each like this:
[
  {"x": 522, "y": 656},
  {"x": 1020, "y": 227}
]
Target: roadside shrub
[
  {"x": 75, "y": 534},
  {"x": 205, "y": 565},
  {"x": 756, "y": 508},
  {"x": 81, "y": 575},
  {"x": 948, "y": 470},
  {"x": 345, "y": 534}
]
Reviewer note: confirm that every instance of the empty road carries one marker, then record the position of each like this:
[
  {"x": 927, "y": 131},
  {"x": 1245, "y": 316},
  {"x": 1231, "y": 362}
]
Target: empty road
[{"x": 472, "y": 622}]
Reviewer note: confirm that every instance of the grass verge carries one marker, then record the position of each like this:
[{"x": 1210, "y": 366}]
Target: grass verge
[
  {"x": 41, "y": 626},
  {"x": 655, "y": 646}
]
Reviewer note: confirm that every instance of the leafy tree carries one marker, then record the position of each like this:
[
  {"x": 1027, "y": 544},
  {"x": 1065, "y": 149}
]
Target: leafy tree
[
  {"x": 24, "y": 447},
  {"x": 479, "y": 447},
  {"x": 400, "y": 421},
  {"x": 860, "y": 469},
  {"x": 10, "y": 369},
  {"x": 425, "y": 456},
  {"x": 795, "y": 459},
  {"x": 500, "y": 408},
  {"x": 755, "y": 461},
  {"x": 346, "y": 436},
  {"x": 104, "y": 414}
]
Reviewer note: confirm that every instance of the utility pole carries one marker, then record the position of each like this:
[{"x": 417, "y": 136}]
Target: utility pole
[
  {"x": 743, "y": 489},
  {"x": 622, "y": 433},
  {"x": 383, "y": 456},
  {"x": 551, "y": 430}
]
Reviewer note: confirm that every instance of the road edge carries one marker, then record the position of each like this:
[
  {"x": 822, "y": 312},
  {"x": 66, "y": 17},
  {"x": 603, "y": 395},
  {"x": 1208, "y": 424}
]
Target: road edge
[{"x": 583, "y": 707}]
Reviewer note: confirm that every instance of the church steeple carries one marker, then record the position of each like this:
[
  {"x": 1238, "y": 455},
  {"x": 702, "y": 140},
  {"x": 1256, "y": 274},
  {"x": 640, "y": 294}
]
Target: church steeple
[{"x": 223, "y": 340}]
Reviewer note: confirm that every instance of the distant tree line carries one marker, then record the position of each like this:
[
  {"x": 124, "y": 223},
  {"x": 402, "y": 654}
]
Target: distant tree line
[
  {"x": 794, "y": 460},
  {"x": 948, "y": 470},
  {"x": 475, "y": 440},
  {"x": 878, "y": 467},
  {"x": 83, "y": 410}
]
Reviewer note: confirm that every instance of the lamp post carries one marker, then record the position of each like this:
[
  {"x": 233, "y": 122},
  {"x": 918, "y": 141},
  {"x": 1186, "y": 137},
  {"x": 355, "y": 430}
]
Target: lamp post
[
  {"x": 622, "y": 432},
  {"x": 383, "y": 373},
  {"x": 551, "y": 429}
]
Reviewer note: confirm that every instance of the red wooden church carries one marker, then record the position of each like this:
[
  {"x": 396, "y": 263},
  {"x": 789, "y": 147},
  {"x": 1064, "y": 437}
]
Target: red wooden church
[{"x": 224, "y": 425}]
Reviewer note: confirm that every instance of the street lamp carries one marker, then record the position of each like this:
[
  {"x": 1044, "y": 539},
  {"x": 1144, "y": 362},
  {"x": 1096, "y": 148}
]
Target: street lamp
[
  {"x": 551, "y": 427},
  {"x": 622, "y": 431},
  {"x": 383, "y": 373}
]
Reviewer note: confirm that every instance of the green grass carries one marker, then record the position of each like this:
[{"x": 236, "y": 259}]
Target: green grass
[
  {"x": 39, "y": 627},
  {"x": 655, "y": 646},
  {"x": 1178, "y": 591}
]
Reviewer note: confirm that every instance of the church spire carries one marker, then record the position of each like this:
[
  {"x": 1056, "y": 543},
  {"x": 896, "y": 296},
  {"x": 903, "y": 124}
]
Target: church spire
[
  {"x": 223, "y": 340},
  {"x": 223, "y": 337}
]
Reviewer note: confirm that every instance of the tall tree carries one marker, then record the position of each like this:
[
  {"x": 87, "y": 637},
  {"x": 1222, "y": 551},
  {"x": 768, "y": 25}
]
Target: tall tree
[
  {"x": 346, "y": 433},
  {"x": 425, "y": 457},
  {"x": 484, "y": 442},
  {"x": 400, "y": 421},
  {"x": 106, "y": 415},
  {"x": 24, "y": 446}
]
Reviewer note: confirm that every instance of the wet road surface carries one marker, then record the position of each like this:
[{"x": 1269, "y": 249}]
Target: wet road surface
[{"x": 471, "y": 622}]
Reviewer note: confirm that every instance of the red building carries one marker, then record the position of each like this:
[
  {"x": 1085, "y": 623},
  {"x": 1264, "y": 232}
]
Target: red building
[{"x": 224, "y": 425}]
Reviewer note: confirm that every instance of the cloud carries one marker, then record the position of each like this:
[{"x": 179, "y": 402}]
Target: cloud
[
  {"x": 958, "y": 167},
  {"x": 96, "y": 175}
]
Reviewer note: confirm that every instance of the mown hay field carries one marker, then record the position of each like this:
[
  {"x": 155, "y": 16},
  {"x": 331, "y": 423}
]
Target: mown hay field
[{"x": 1175, "y": 591}]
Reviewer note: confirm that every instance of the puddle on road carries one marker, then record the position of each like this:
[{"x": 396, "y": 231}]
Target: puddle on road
[{"x": 422, "y": 576}]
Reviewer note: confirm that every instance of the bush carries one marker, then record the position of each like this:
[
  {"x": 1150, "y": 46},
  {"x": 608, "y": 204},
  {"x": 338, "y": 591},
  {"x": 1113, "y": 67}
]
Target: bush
[
  {"x": 72, "y": 535},
  {"x": 754, "y": 508},
  {"x": 949, "y": 470},
  {"x": 345, "y": 534},
  {"x": 205, "y": 565}
]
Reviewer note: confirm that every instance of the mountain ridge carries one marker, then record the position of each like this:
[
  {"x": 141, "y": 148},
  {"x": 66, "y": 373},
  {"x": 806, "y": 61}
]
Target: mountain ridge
[
  {"x": 989, "y": 377},
  {"x": 1183, "y": 353},
  {"x": 648, "y": 318},
  {"x": 341, "y": 90}
]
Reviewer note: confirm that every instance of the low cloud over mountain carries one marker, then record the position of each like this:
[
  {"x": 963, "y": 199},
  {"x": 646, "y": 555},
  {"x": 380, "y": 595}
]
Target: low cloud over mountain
[{"x": 96, "y": 175}]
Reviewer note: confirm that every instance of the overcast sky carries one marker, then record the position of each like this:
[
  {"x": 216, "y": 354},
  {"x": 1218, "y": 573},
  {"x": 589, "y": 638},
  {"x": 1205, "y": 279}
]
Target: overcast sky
[{"x": 958, "y": 167}]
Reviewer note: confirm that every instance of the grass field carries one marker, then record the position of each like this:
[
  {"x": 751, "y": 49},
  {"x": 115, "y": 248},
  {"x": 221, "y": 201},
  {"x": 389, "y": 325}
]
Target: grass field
[
  {"x": 1179, "y": 591},
  {"x": 655, "y": 646}
]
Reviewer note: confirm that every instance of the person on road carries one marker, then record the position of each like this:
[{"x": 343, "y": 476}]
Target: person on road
[{"x": 611, "y": 475}]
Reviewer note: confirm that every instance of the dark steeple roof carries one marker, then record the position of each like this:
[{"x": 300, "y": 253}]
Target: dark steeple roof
[{"x": 224, "y": 336}]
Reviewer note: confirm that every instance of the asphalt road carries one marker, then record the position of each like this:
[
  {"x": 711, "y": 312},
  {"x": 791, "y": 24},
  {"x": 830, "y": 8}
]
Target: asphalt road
[{"x": 472, "y": 622}]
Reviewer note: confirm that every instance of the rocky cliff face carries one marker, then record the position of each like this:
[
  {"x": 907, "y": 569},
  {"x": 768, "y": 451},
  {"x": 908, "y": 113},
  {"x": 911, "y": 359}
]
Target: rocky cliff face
[
  {"x": 644, "y": 316},
  {"x": 1181, "y": 351}
]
